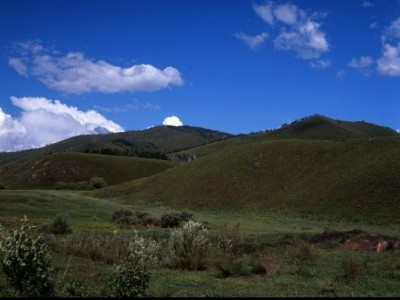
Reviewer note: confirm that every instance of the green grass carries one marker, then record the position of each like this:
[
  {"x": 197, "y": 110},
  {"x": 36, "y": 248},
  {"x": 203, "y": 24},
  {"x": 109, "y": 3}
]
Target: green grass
[
  {"x": 355, "y": 179},
  {"x": 274, "y": 233},
  {"x": 46, "y": 171}
]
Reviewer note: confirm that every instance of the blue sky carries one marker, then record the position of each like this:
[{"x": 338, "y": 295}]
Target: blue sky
[{"x": 81, "y": 66}]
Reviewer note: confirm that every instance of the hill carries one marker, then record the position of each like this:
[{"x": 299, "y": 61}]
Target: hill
[
  {"x": 152, "y": 143},
  {"x": 46, "y": 171},
  {"x": 357, "y": 179},
  {"x": 315, "y": 127},
  {"x": 319, "y": 127}
]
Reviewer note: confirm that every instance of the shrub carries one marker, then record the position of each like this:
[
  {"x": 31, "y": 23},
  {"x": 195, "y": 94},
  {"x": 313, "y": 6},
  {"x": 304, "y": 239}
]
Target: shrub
[
  {"x": 264, "y": 263},
  {"x": 61, "y": 185},
  {"x": 59, "y": 226},
  {"x": 2, "y": 186},
  {"x": 175, "y": 219},
  {"x": 233, "y": 266},
  {"x": 189, "y": 246},
  {"x": 123, "y": 216},
  {"x": 229, "y": 239},
  {"x": 95, "y": 246},
  {"x": 132, "y": 274},
  {"x": 74, "y": 288},
  {"x": 26, "y": 262},
  {"x": 149, "y": 220},
  {"x": 97, "y": 182}
]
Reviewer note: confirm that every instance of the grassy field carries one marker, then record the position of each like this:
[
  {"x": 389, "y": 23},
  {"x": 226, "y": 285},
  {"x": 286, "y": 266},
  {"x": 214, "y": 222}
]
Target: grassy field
[{"x": 299, "y": 268}]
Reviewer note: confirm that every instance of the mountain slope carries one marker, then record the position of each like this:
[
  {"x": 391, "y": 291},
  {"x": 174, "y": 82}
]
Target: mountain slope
[
  {"x": 356, "y": 179},
  {"x": 159, "y": 139},
  {"x": 315, "y": 127},
  {"x": 46, "y": 171}
]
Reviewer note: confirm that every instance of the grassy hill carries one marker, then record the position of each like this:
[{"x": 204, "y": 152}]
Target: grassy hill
[
  {"x": 159, "y": 139},
  {"x": 323, "y": 128},
  {"x": 315, "y": 127},
  {"x": 46, "y": 171},
  {"x": 355, "y": 179}
]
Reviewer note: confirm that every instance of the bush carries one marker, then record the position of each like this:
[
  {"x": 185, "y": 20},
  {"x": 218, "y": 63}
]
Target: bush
[
  {"x": 127, "y": 217},
  {"x": 189, "y": 246},
  {"x": 2, "y": 186},
  {"x": 59, "y": 226},
  {"x": 108, "y": 248},
  {"x": 61, "y": 185},
  {"x": 97, "y": 182},
  {"x": 233, "y": 266},
  {"x": 229, "y": 239},
  {"x": 175, "y": 219},
  {"x": 123, "y": 216},
  {"x": 149, "y": 220},
  {"x": 132, "y": 274},
  {"x": 26, "y": 262}
]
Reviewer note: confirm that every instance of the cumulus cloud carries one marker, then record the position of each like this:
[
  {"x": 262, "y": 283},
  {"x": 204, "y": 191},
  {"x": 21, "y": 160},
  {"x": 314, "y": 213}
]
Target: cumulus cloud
[
  {"x": 252, "y": 41},
  {"x": 389, "y": 63},
  {"x": 74, "y": 73},
  {"x": 44, "y": 121},
  {"x": 172, "y": 121},
  {"x": 362, "y": 64},
  {"x": 298, "y": 30}
]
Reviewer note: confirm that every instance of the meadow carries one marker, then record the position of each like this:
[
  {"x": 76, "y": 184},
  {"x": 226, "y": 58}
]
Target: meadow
[{"x": 274, "y": 255}]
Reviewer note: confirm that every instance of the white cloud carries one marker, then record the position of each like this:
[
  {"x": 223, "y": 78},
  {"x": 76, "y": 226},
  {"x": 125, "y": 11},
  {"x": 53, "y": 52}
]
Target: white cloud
[
  {"x": 298, "y": 31},
  {"x": 264, "y": 11},
  {"x": 18, "y": 65},
  {"x": 306, "y": 40},
  {"x": 389, "y": 63},
  {"x": 73, "y": 73},
  {"x": 362, "y": 64},
  {"x": 366, "y": 3},
  {"x": 252, "y": 41},
  {"x": 44, "y": 121},
  {"x": 320, "y": 64},
  {"x": 287, "y": 13},
  {"x": 134, "y": 105},
  {"x": 393, "y": 31},
  {"x": 373, "y": 25},
  {"x": 172, "y": 121}
]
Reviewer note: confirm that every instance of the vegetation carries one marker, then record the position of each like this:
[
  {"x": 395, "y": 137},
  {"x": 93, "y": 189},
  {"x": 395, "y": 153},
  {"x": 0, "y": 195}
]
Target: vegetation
[
  {"x": 26, "y": 262},
  {"x": 59, "y": 226},
  {"x": 132, "y": 274},
  {"x": 76, "y": 170},
  {"x": 189, "y": 246},
  {"x": 282, "y": 213}
]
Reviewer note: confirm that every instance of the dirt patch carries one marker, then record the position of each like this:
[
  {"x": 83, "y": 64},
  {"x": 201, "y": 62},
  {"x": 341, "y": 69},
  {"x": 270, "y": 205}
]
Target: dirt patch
[{"x": 356, "y": 239}]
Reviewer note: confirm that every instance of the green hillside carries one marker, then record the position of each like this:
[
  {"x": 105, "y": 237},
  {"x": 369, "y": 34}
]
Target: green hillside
[
  {"x": 323, "y": 128},
  {"x": 155, "y": 140},
  {"x": 315, "y": 127},
  {"x": 356, "y": 179},
  {"x": 46, "y": 171}
]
